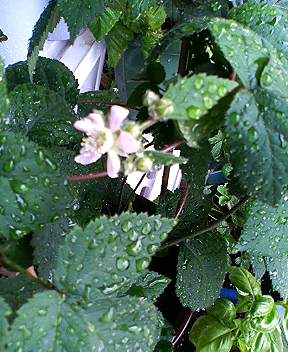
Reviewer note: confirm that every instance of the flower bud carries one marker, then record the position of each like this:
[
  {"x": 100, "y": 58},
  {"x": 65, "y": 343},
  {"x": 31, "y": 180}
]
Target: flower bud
[
  {"x": 164, "y": 108},
  {"x": 144, "y": 164},
  {"x": 133, "y": 128},
  {"x": 150, "y": 98}
]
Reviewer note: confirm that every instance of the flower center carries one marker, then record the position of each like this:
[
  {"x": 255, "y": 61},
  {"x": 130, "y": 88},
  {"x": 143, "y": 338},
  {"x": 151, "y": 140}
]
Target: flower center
[{"x": 101, "y": 142}]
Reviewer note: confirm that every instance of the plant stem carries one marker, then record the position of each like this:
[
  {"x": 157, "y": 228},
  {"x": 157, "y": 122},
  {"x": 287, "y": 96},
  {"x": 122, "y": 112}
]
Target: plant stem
[
  {"x": 133, "y": 192},
  {"x": 210, "y": 227},
  {"x": 169, "y": 148},
  {"x": 183, "y": 201},
  {"x": 183, "y": 328},
  {"x": 105, "y": 102},
  {"x": 124, "y": 179},
  {"x": 88, "y": 177},
  {"x": 26, "y": 273}
]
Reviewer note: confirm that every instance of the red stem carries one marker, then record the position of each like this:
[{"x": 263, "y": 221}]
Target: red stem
[
  {"x": 171, "y": 147},
  {"x": 183, "y": 202},
  {"x": 182, "y": 328},
  {"x": 88, "y": 177}
]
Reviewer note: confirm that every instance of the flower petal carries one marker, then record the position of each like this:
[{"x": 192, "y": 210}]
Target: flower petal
[
  {"x": 85, "y": 158},
  {"x": 98, "y": 120},
  {"x": 127, "y": 143},
  {"x": 116, "y": 117},
  {"x": 113, "y": 164},
  {"x": 85, "y": 125}
]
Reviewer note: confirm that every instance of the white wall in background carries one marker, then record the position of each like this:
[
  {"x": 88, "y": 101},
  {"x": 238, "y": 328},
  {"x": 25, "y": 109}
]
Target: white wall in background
[{"x": 17, "y": 20}]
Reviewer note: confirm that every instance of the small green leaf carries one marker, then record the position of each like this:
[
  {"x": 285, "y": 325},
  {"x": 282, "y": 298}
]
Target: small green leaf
[
  {"x": 194, "y": 97},
  {"x": 124, "y": 243},
  {"x": 160, "y": 158},
  {"x": 244, "y": 281},
  {"x": 262, "y": 306},
  {"x": 50, "y": 322},
  {"x": 208, "y": 334},
  {"x": 78, "y": 14},
  {"x": 266, "y": 323},
  {"x": 104, "y": 23},
  {"x": 17, "y": 290},
  {"x": 117, "y": 42},
  {"x": 223, "y": 310},
  {"x": 45, "y": 25},
  {"x": 5, "y": 312},
  {"x": 201, "y": 269},
  {"x": 149, "y": 285}
]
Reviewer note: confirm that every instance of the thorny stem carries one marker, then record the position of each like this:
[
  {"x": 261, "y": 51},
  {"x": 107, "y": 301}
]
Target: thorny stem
[
  {"x": 210, "y": 227},
  {"x": 26, "y": 273},
  {"x": 183, "y": 202},
  {"x": 169, "y": 148},
  {"x": 105, "y": 102}
]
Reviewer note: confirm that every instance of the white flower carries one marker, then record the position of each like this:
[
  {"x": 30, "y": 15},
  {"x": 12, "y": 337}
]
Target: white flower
[{"x": 103, "y": 139}]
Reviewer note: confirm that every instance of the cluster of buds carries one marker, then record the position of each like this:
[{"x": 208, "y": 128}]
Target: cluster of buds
[
  {"x": 158, "y": 108},
  {"x": 114, "y": 137}
]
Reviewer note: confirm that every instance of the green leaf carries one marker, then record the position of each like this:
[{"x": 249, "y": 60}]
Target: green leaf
[
  {"x": 32, "y": 189},
  {"x": 20, "y": 252},
  {"x": 149, "y": 285},
  {"x": 194, "y": 97},
  {"x": 267, "y": 20},
  {"x": 99, "y": 100},
  {"x": 223, "y": 310},
  {"x": 59, "y": 323},
  {"x": 124, "y": 243},
  {"x": 104, "y": 23},
  {"x": 262, "y": 306},
  {"x": 3, "y": 37},
  {"x": 277, "y": 267},
  {"x": 244, "y": 281},
  {"x": 117, "y": 42},
  {"x": 4, "y": 101},
  {"x": 264, "y": 342},
  {"x": 265, "y": 231},
  {"x": 17, "y": 290},
  {"x": 259, "y": 267},
  {"x": 46, "y": 243},
  {"x": 80, "y": 13},
  {"x": 257, "y": 133},
  {"x": 43, "y": 115},
  {"x": 201, "y": 269},
  {"x": 208, "y": 334},
  {"x": 233, "y": 38},
  {"x": 45, "y": 25},
  {"x": 160, "y": 158},
  {"x": 5, "y": 311},
  {"x": 51, "y": 74}
]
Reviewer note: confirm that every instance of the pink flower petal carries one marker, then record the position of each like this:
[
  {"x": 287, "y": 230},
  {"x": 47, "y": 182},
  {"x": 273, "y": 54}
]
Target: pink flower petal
[
  {"x": 97, "y": 120},
  {"x": 113, "y": 164},
  {"x": 85, "y": 125},
  {"x": 86, "y": 158},
  {"x": 116, "y": 117},
  {"x": 127, "y": 143}
]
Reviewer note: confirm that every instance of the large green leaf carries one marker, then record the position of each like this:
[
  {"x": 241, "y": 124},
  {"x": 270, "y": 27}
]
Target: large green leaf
[
  {"x": 105, "y": 22},
  {"x": 202, "y": 265},
  {"x": 244, "y": 281},
  {"x": 4, "y": 313},
  {"x": 49, "y": 322},
  {"x": 32, "y": 190},
  {"x": 109, "y": 254},
  {"x": 243, "y": 48},
  {"x": 149, "y": 285},
  {"x": 265, "y": 231},
  {"x": 209, "y": 334},
  {"x": 160, "y": 158},
  {"x": 46, "y": 23},
  {"x": 267, "y": 20},
  {"x": 194, "y": 97},
  {"x": 43, "y": 115},
  {"x": 46, "y": 243},
  {"x": 278, "y": 271},
  {"x": 80, "y": 13},
  {"x": 51, "y": 74},
  {"x": 257, "y": 134}
]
